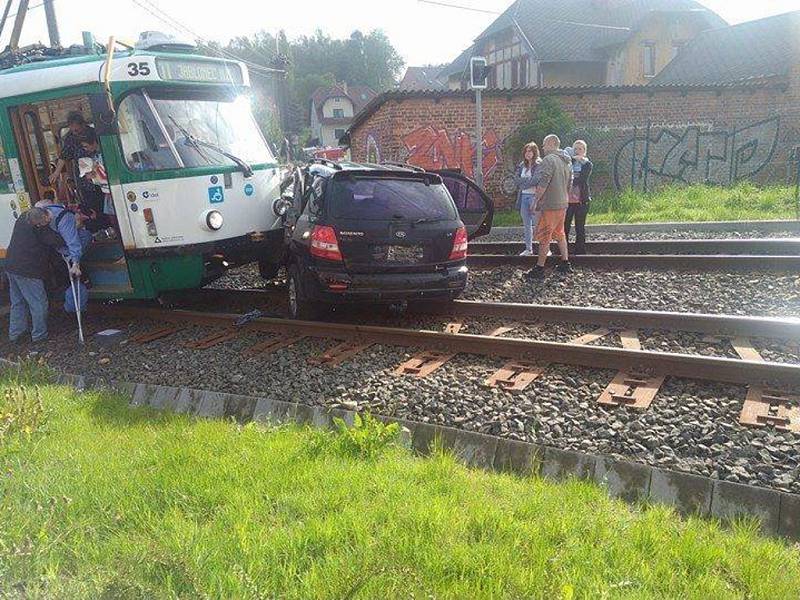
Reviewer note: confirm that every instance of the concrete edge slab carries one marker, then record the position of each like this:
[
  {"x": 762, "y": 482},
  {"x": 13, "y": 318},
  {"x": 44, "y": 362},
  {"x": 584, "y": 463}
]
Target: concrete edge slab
[
  {"x": 688, "y": 494},
  {"x": 623, "y": 479},
  {"x": 734, "y": 500}
]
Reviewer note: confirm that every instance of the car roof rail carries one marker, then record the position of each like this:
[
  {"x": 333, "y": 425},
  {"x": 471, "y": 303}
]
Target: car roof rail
[
  {"x": 403, "y": 165},
  {"x": 327, "y": 162}
]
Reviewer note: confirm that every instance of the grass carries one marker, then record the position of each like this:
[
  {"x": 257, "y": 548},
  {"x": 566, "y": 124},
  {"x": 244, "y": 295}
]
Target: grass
[
  {"x": 101, "y": 501},
  {"x": 695, "y": 203}
]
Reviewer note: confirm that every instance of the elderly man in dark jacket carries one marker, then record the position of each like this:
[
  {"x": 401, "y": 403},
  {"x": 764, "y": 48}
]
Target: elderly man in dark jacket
[{"x": 27, "y": 265}]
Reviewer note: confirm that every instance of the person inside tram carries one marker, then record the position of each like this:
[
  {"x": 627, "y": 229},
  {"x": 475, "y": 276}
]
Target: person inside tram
[{"x": 81, "y": 142}]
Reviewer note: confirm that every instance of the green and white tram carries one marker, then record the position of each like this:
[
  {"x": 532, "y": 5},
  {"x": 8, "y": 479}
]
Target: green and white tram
[{"x": 191, "y": 178}]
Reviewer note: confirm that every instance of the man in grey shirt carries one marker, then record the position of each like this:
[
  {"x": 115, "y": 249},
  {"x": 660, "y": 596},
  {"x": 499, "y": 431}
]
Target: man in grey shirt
[{"x": 553, "y": 198}]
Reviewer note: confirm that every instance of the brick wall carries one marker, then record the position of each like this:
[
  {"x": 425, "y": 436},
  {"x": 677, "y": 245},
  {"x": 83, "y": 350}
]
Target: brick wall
[{"x": 639, "y": 137}]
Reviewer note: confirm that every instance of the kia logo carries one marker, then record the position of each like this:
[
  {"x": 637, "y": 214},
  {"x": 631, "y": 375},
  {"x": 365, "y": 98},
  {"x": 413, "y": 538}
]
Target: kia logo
[{"x": 400, "y": 234}]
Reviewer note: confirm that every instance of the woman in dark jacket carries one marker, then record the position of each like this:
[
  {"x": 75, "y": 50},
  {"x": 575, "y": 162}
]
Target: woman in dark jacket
[
  {"x": 526, "y": 179},
  {"x": 579, "y": 197}
]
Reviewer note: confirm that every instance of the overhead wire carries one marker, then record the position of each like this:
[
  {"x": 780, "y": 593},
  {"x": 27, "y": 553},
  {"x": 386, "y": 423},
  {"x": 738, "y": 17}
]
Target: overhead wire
[{"x": 156, "y": 11}]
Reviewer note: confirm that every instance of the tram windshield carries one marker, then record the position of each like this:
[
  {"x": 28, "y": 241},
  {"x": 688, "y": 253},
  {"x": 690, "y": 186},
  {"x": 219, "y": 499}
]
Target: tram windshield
[{"x": 169, "y": 130}]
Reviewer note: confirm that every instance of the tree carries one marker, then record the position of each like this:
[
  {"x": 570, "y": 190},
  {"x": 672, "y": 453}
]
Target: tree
[
  {"x": 545, "y": 118},
  {"x": 317, "y": 61}
]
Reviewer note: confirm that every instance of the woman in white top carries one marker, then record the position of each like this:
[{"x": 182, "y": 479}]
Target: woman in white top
[{"x": 526, "y": 179}]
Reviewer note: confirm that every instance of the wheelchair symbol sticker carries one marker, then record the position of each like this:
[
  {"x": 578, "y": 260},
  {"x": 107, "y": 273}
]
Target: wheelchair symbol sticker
[
  {"x": 249, "y": 190},
  {"x": 216, "y": 195}
]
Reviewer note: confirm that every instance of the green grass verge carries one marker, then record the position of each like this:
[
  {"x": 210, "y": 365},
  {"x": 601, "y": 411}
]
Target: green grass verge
[
  {"x": 695, "y": 203},
  {"x": 101, "y": 501}
]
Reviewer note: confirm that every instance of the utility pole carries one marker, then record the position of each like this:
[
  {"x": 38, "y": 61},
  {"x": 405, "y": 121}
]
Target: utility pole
[
  {"x": 479, "y": 137},
  {"x": 478, "y": 81},
  {"x": 22, "y": 10},
  {"x": 5, "y": 16},
  {"x": 52, "y": 23}
]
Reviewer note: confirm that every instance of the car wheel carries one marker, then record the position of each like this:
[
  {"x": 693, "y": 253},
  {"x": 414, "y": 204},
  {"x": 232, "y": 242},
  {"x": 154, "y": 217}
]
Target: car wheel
[
  {"x": 300, "y": 307},
  {"x": 268, "y": 270}
]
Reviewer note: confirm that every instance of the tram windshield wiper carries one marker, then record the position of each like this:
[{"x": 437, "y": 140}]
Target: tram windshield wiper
[{"x": 192, "y": 140}]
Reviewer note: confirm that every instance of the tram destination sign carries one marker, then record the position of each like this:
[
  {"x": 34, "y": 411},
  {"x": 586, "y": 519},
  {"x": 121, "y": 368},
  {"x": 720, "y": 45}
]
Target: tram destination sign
[{"x": 179, "y": 69}]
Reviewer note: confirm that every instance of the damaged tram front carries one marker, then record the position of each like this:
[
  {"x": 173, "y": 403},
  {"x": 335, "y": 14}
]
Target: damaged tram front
[{"x": 184, "y": 176}]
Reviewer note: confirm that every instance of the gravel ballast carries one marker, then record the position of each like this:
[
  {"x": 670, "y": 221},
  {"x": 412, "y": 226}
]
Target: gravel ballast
[{"x": 691, "y": 426}]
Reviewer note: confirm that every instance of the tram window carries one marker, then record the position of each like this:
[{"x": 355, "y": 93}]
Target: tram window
[
  {"x": 222, "y": 121},
  {"x": 5, "y": 174},
  {"x": 143, "y": 141}
]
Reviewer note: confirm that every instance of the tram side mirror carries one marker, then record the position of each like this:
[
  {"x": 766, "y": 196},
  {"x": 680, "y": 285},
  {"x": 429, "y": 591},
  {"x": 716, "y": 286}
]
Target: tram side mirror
[
  {"x": 282, "y": 205},
  {"x": 104, "y": 116}
]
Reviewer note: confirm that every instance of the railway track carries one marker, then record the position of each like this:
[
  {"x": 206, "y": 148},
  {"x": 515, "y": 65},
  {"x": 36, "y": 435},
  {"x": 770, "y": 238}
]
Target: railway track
[
  {"x": 753, "y": 247},
  {"x": 773, "y": 255},
  {"x": 355, "y": 338},
  {"x": 709, "y": 324}
]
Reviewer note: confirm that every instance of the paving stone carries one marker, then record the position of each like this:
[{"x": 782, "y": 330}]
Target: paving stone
[
  {"x": 124, "y": 388},
  {"x": 687, "y": 493},
  {"x": 273, "y": 412},
  {"x": 562, "y": 464},
  {"x": 732, "y": 500},
  {"x": 473, "y": 449},
  {"x": 304, "y": 414},
  {"x": 789, "y": 526},
  {"x": 211, "y": 405},
  {"x": 320, "y": 418},
  {"x": 521, "y": 458},
  {"x": 623, "y": 479},
  {"x": 155, "y": 396},
  {"x": 424, "y": 438},
  {"x": 345, "y": 415},
  {"x": 241, "y": 408}
]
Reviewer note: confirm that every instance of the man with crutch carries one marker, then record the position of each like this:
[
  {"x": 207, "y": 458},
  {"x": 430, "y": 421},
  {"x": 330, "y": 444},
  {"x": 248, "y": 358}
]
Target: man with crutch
[{"x": 27, "y": 265}]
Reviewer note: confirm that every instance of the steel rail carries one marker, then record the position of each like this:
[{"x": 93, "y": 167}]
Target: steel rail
[
  {"x": 682, "y": 262},
  {"x": 758, "y": 247},
  {"x": 719, "y": 325},
  {"x": 679, "y": 365}
]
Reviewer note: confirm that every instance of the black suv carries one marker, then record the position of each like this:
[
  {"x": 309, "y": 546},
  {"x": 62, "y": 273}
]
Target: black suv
[{"x": 378, "y": 233}]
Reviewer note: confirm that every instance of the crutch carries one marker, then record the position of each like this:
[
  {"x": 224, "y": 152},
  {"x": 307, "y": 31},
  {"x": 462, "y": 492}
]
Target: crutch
[{"x": 76, "y": 297}]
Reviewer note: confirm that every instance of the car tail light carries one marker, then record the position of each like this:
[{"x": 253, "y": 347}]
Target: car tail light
[
  {"x": 460, "y": 242},
  {"x": 324, "y": 243}
]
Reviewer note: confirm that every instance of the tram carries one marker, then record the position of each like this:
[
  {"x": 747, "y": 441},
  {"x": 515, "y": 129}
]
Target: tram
[{"x": 188, "y": 173}]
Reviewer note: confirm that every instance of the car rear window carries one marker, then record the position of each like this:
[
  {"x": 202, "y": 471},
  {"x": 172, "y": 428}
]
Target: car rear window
[{"x": 386, "y": 199}]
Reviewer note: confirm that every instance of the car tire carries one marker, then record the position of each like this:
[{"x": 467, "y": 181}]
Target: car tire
[
  {"x": 300, "y": 306},
  {"x": 268, "y": 270}
]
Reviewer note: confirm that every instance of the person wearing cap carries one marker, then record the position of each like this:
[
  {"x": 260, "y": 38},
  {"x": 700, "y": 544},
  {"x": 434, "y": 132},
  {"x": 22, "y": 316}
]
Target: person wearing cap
[{"x": 26, "y": 268}]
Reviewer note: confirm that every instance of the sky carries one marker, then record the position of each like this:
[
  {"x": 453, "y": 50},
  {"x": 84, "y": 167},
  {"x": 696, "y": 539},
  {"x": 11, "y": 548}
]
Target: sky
[{"x": 423, "y": 33}]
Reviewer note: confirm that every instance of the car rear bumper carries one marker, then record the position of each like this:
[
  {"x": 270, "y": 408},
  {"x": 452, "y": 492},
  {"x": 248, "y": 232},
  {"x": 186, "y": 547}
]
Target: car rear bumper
[{"x": 339, "y": 286}]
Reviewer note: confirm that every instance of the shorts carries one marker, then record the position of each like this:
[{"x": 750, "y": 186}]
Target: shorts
[{"x": 551, "y": 226}]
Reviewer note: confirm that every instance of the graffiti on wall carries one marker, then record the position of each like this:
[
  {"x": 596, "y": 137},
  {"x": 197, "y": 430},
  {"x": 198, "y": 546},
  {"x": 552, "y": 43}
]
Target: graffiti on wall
[
  {"x": 695, "y": 155},
  {"x": 432, "y": 149}
]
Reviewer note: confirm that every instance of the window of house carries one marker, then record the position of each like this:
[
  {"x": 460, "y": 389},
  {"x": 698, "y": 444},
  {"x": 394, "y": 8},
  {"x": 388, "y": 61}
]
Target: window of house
[
  {"x": 649, "y": 59},
  {"x": 338, "y": 113},
  {"x": 507, "y": 61},
  {"x": 677, "y": 47},
  {"x": 338, "y": 134}
]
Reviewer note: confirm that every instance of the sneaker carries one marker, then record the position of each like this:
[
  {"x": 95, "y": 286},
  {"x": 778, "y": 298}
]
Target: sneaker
[
  {"x": 564, "y": 267},
  {"x": 526, "y": 253},
  {"x": 536, "y": 273}
]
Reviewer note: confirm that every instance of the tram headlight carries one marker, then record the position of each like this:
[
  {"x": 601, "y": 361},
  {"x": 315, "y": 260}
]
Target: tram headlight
[{"x": 212, "y": 220}]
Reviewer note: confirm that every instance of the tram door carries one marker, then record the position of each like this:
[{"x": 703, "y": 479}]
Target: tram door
[{"x": 39, "y": 130}]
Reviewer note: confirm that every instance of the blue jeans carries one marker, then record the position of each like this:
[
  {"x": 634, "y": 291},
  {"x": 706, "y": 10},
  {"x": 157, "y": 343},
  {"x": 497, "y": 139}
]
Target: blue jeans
[
  {"x": 27, "y": 294},
  {"x": 529, "y": 219}
]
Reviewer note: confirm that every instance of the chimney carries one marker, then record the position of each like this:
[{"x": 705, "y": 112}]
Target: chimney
[{"x": 344, "y": 86}]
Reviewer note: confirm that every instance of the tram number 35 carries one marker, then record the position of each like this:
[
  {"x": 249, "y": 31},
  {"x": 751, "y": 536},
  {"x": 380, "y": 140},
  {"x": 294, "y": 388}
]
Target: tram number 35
[{"x": 141, "y": 69}]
